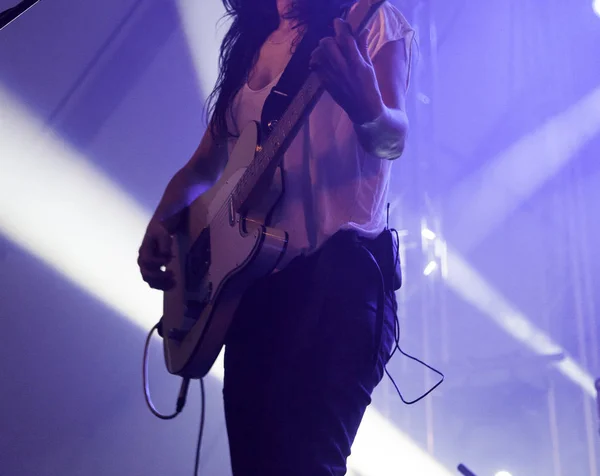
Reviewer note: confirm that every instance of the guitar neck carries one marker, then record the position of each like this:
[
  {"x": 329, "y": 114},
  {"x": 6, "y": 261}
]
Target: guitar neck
[{"x": 268, "y": 155}]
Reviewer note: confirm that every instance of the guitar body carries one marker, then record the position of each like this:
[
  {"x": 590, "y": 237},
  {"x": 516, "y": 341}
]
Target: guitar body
[{"x": 216, "y": 257}]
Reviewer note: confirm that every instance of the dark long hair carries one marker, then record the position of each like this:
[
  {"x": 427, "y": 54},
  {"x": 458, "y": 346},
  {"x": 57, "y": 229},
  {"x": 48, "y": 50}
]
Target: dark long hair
[{"x": 252, "y": 23}]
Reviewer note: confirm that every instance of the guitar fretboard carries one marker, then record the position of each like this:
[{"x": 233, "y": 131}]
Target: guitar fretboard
[{"x": 269, "y": 154}]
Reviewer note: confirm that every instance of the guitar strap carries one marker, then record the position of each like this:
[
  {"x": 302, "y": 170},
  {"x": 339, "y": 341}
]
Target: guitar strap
[{"x": 293, "y": 77}]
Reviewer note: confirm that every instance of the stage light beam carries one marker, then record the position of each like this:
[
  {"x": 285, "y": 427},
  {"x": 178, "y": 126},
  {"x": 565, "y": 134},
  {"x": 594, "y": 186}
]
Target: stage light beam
[
  {"x": 474, "y": 289},
  {"x": 381, "y": 450},
  {"x": 483, "y": 200},
  {"x": 65, "y": 211},
  {"x": 199, "y": 21}
]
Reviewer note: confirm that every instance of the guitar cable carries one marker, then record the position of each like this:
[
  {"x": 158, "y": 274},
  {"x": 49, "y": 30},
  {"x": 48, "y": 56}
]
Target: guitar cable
[
  {"x": 397, "y": 324},
  {"x": 181, "y": 398},
  {"x": 399, "y": 349}
]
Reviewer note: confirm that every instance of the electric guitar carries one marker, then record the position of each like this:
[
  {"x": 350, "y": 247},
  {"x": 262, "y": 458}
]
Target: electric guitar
[{"x": 224, "y": 244}]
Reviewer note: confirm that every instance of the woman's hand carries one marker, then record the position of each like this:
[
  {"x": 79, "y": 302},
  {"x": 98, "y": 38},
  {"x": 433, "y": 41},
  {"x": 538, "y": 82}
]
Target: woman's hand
[
  {"x": 346, "y": 71},
  {"x": 154, "y": 255}
]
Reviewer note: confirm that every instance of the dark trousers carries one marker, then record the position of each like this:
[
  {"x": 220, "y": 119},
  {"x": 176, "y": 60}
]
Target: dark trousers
[{"x": 302, "y": 358}]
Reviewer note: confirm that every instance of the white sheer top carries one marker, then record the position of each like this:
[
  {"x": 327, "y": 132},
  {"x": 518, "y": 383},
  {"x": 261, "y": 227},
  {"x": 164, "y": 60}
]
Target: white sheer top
[{"x": 330, "y": 182}]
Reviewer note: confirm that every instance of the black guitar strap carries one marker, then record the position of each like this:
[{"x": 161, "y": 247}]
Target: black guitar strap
[{"x": 292, "y": 79}]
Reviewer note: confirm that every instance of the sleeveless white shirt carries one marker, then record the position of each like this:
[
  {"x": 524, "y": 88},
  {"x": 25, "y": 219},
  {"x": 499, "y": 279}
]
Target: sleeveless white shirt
[{"x": 330, "y": 182}]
